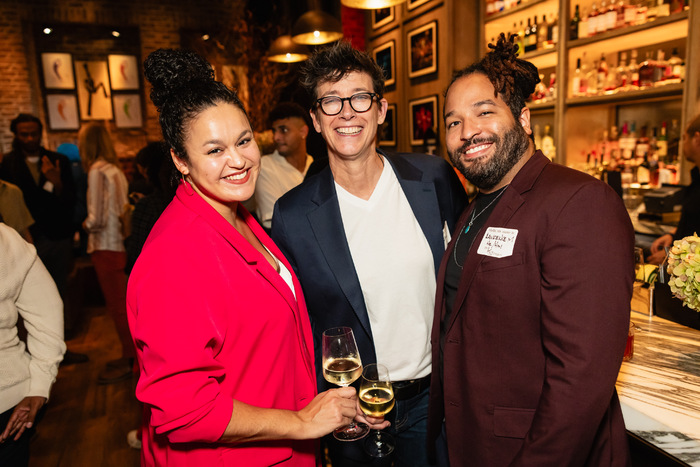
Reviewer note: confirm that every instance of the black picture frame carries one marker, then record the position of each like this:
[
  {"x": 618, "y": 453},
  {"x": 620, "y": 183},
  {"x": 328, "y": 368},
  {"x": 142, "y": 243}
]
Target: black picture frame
[
  {"x": 422, "y": 50},
  {"x": 385, "y": 56}
]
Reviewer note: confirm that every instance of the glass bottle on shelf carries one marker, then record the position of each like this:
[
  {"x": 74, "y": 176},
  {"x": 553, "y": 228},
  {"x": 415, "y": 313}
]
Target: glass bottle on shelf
[
  {"x": 583, "y": 30},
  {"x": 621, "y": 75},
  {"x": 592, "y": 80},
  {"x": 552, "y": 85},
  {"x": 646, "y": 72},
  {"x": 602, "y": 76},
  {"x": 662, "y": 144},
  {"x": 552, "y": 30},
  {"x": 521, "y": 38},
  {"x": 593, "y": 21},
  {"x": 576, "y": 81},
  {"x": 633, "y": 72},
  {"x": 531, "y": 44},
  {"x": 673, "y": 68},
  {"x": 573, "y": 24},
  {"x": 611, "y": 16},
  {"x": 548, "y": 148},
  {"x": 674, "y": 137},
  {"x": 527, "y": 37},
  {"x": 542, "y": 33},
  {"x": 602, "y": 18},
  {"x": 583, "y": 87},
  {"x": 630, "y": 14},
  {"x": 660, "y": 66}
]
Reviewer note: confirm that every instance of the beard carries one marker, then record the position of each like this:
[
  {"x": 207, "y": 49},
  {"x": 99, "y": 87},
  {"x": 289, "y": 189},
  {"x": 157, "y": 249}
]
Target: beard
[{"x": 486, "y": 173}]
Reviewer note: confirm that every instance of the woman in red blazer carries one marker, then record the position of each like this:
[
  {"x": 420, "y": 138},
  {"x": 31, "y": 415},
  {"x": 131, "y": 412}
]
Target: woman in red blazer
[{"x": 217, "y": 316}]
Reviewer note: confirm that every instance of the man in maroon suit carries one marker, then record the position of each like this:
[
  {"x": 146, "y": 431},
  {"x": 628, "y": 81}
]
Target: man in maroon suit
[{"x": 533, "y": 295}]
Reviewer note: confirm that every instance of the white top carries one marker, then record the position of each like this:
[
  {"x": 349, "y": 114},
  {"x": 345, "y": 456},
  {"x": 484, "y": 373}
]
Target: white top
[
  {"x": 395, "y": 267},
  {"x": 284, "y": 273},
  {"x": 277, "y": 176},
  {"x": 106, "y": 196},
  {"x": 27, "y": 290}
]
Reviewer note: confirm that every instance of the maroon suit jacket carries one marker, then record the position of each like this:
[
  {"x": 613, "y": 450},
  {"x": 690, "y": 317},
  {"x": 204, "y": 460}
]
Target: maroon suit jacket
[{"x": 536, "y": 339}]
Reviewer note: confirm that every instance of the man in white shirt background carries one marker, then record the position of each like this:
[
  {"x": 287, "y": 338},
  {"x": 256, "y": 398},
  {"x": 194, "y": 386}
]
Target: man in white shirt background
[{"x": 286, "y": 167}]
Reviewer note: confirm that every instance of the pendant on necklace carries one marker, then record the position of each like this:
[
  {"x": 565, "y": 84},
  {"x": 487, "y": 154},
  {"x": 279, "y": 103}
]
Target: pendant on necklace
[{"x": 466, "y": 230}]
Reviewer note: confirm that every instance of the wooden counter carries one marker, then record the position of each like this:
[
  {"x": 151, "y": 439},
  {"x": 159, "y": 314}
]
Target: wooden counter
[{"x": 659, "y": 388}]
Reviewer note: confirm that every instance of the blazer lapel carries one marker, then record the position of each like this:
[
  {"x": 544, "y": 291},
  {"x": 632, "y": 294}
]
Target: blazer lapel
[
  {"x": 327, "y": 225},
  {"x": 423, "y": 200},
  {"x": 511, "y": 201}
]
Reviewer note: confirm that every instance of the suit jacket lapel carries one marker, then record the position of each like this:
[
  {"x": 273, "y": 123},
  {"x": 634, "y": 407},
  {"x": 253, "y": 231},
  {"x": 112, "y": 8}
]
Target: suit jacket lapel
[
  {"x": 327, "y": 225},
  {"x": 510, "y": 202},
  {"x": 423, "y": 200}
]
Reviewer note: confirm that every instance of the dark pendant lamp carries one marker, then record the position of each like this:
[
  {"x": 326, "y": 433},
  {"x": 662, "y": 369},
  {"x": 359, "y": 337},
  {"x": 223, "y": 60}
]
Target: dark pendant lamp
[
  {"x": 316, "y": 27},
  {"x": 370, "y": 4},
  {"x": 284, "y": 50}
]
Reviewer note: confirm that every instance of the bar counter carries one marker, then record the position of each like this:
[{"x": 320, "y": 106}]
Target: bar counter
[{"x": 659, "y": 387}]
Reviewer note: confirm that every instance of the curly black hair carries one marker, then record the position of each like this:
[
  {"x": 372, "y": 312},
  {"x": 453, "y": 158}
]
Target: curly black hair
[
  {"x": 332, "y": 63},
  {"x": 183, "y": 86},
  {"x": 513, "y": 78}
]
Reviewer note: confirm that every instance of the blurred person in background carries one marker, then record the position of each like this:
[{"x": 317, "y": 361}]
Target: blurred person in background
[{"x": 106, "y": 197}]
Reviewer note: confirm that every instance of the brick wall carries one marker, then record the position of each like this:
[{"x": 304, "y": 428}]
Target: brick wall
[{"x": 158, "y": 24}]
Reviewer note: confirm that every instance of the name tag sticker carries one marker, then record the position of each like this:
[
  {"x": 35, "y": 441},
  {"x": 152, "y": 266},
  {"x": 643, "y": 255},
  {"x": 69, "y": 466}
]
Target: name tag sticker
[
  {"x": 498, "y": 242},
  {"x": 48, "y": 186}
]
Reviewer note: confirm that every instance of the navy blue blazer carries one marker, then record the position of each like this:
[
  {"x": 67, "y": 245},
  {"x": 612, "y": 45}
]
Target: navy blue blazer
[{"x": 308, "y": 229}]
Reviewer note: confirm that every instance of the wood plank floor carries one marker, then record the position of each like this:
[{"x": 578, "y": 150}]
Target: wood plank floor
[{"x": 85, "y": 423}]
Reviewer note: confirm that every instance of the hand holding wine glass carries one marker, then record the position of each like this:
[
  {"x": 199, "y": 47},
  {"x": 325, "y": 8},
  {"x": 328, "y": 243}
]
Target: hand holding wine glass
[
  {"x": 377, "y": 400},
  {"x": 342, "y": 366}
]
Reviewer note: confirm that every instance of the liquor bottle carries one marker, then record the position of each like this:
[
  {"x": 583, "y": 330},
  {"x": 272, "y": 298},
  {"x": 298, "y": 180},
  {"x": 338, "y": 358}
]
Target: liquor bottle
[
  {"x": 602, "y": 18},
  {"x": 593, "y": 21},
  {"x": 602, "y": 75},
  {"x": 527, "y": 38},
  {"x": 642, "y": 147},
  {"x": 646, "y": 72},
  {"x": 674, "y": 137},
  {"x": 660, "y": 66},
  {"x": 576, "y": 82},
  {"x": 630, "y": 14},
  {"x": 583, "y": 87},
  {"x": 627, "y": 143},
  {"x": 583, "y": 30},
  {"x": 521, "y": 38},
  {"x": 542, "y": 33},
  {"x": 611, "y": 16},
  {"x": 531, "y": 45},
  {"x": 676, "y": 6},
  {"x": 620, "y": 15},
  {"x": 573, "y": 24},
  {"x": 553, "y": 30},
  {"x": 610, "y": 86},
  {"x": 633, "y": 72},
  {"x": 552, "y": 86},
  {"x": 641, "y": 16},
  {"x": 673, "y": 68},
  {"x": 592, "y": 80},
  {"x": 548, "y": 148},
  {"x": 621, "y": 73},
  {"x": 662, "y": 144}
]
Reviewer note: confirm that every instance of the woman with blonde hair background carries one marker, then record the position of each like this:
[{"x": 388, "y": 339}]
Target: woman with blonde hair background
[{"x": 106, "y": 196}]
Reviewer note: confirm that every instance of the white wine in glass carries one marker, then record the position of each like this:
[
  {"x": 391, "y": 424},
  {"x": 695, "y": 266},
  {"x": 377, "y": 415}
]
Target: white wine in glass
[
  {"x": 377, "y": 400},
  {"x": 342, "y": 366}
]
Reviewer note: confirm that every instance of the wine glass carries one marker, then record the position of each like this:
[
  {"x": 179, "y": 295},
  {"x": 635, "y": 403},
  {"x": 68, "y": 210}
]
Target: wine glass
[
  {"x": 377, "y": 400},
  {"x": 342, "y": 366}
]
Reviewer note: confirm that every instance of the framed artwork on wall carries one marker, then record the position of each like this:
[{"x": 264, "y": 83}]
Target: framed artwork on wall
[
  {"x": 127, "y": 111},
  {"x": 58, "y": 71},
  {"x": 123, "y": 72},
  {"x": 387, "y": 131},
  {"x": 382, "y": 16},
  {"x": 62, "y": 110},
  {"x": 93, "y": 90},
  {"x": 423, "y": 118},
  {"x": 422, "y": 50},
  {"x": 385, "y": 56},
  {"x": 411, "y": 4}
]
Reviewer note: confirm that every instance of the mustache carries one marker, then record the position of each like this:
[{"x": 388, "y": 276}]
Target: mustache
[{"x": 476, "y": 141}]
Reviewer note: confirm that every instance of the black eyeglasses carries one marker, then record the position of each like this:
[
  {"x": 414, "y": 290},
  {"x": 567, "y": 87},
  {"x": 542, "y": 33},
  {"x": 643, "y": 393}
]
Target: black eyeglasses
[{"x": 333, "y": 105}]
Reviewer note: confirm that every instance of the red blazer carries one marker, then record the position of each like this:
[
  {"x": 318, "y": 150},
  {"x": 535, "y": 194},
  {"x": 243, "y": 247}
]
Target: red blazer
[
  {"x": 212, "y": 321},
  {"x": 536, "y": 339}
]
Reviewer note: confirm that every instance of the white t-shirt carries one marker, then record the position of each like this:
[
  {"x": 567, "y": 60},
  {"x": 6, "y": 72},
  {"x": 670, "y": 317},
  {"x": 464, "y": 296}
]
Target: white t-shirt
[
  {"x": 277, "y": 176},
  {"x": 395, "y": 267}
]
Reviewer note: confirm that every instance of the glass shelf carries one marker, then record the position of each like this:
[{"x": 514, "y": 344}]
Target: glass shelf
[
  {"x": 645, "y": 94},
  {"x": 517, "y": 9}
]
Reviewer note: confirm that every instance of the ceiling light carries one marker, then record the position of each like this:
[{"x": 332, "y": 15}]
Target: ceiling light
[
  {"x": 205, "y": 37},
  {"x": 316, "y": 27},
  {"x": 371, "y": 4},
  {"x": 48, "y": 31},
  {"x": 284, "y": 50},
  {"x": 116, "y": 33}
]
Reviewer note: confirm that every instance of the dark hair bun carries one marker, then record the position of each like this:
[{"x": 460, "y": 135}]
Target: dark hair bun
[{"x": 170, "y": 71}]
